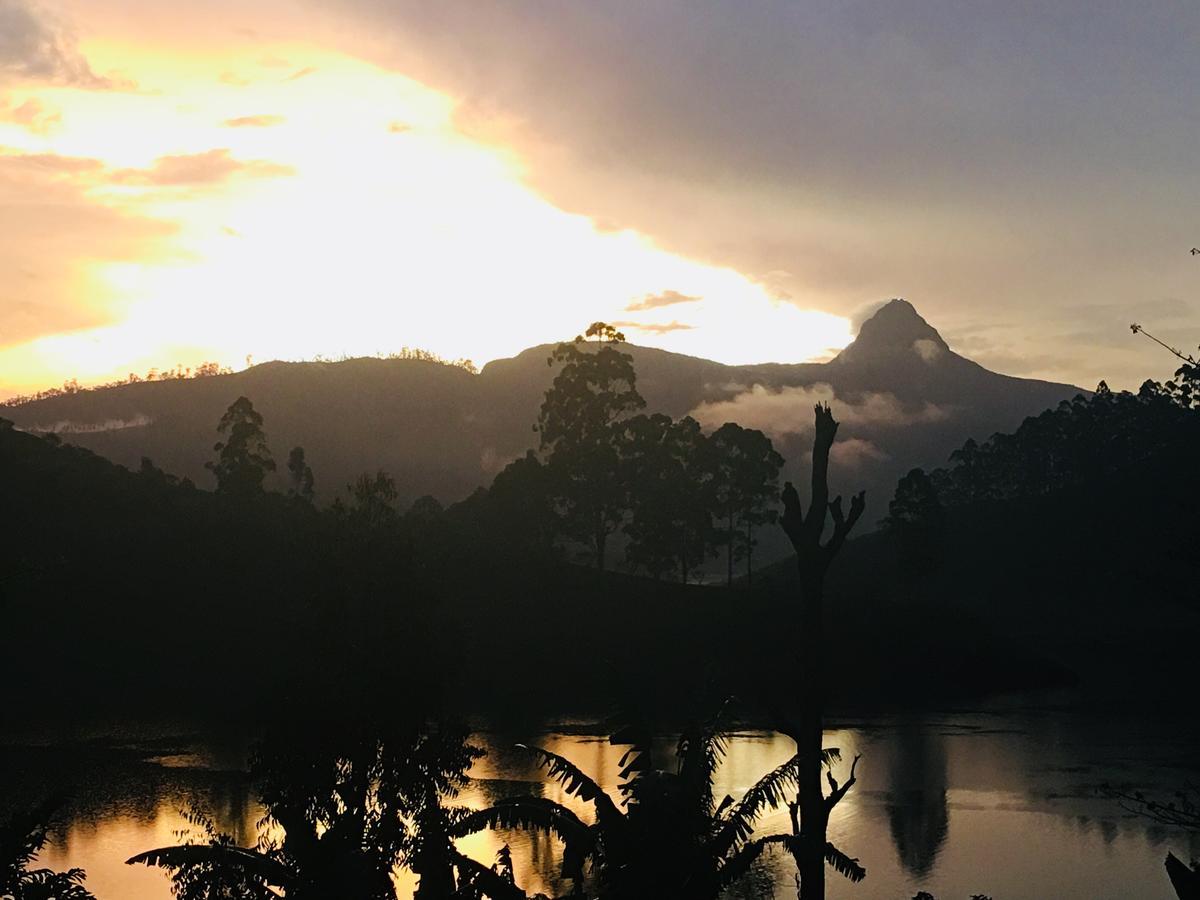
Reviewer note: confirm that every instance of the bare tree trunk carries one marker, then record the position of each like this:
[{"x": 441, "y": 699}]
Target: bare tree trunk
[
  {"x": 810, "y": 794},
  {"x": 812, "y": 561}
]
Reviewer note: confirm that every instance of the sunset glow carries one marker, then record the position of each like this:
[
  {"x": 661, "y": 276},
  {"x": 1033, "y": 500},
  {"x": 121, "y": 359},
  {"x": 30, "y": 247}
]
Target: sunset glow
[{"x": 327, "y": 207}]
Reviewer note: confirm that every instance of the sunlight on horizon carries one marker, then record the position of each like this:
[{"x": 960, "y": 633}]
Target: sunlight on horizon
[{"x": 314, "y": 205}]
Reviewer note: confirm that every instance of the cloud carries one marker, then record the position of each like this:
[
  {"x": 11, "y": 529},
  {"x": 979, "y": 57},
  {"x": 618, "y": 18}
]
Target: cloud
[
  {"x": 54, "y": 231},
  {"x": 30, "y": 115},
  {"x": 259, "y": 121},
  {"x": 655, "y": 301},
  {"x": 210, "y": 167},
  {"x": 50, "y": 164},
  {"x": 854, "y": 453},
  {"x": 929, "y": 350},
  {"x": 789, "y": 410},
  {"x": 301, "y": 73},
  {"x": 67, "y": 426},
  {"x": 968, "y": 156},
  {"x": 37, "y": 47},
  {"x": 655, "y": 328}
]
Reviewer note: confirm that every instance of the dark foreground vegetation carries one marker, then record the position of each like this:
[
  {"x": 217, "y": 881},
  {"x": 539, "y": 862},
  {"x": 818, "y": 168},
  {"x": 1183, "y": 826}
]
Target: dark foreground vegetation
[{"x": 1063, "y": 552}]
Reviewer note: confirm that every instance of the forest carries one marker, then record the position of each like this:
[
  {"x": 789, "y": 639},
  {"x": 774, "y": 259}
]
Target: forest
[{"x": 611, "y": 566}]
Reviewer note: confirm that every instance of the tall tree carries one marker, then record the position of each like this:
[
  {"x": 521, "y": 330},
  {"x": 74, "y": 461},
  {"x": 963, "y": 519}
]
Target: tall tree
[
  {"x": 522, "y": 500},
  {"x": 243, "y": 458},
  {"x": 810, "y": 813},
  {"x": 663, "y": 465},
  {"x": 744, "y": 481},
  {"x": 592, "y": 392},
  {"x": 918, "y": 522},
  {"x": 300, "y": 475}
]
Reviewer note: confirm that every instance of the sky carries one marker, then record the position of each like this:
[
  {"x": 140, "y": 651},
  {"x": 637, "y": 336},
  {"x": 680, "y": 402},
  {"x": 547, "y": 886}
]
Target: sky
[{"x": 744, "y": 181}]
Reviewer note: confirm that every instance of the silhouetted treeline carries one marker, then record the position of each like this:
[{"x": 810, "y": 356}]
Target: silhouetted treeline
[
  {"x": 1084, "y": 440},
  {"x": 72, "y": 385},
  {"x": 675, "y": 496}
]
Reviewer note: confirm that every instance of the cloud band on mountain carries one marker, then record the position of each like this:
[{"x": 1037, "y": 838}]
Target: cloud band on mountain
[{"x": 789, "y": 410}]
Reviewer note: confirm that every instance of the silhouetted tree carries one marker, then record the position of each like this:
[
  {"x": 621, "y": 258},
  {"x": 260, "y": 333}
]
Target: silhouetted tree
[
  {"x": 916, "y": 518},
  {"x": 300, "y": 475},
  {"x": 522, "y": 500},
  {"x": 1183, "y": 813},
  {"x": 810, "y": 814},
  {"x": 666, "y": 480},
  {"x": 592, "y": 392},
  {"x": 425, "y": 509},
  {"x": 666, "y": 835},
  {"x": 1083, "y": 440},
  {"x": 243, "y": 459},
  {"x": 745, "y": 475},
  {"x": 351, "y": 803},
  {"x": 22, "y": 838},
  {"x": 604, "y": 332},
  {"x": 373, "y": 500}
]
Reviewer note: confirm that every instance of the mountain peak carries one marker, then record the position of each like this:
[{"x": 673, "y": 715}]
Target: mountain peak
[{"x": 896, "y": 328}]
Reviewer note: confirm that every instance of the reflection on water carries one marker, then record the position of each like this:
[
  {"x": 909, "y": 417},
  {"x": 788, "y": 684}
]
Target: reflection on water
[
  {"x": 918, "y": 815},
  {"x": 955, "y": 805}
]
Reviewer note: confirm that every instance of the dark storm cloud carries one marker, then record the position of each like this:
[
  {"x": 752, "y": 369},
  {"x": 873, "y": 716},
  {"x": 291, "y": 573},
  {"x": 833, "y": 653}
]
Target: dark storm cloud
[
  {"x": 34, "y": 45},
  {"x": 1026, "y": 156}
]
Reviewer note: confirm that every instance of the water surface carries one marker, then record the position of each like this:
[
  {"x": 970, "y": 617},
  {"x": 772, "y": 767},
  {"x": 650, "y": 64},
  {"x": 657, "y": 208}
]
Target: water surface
[{"x": 1003, "y": 803}]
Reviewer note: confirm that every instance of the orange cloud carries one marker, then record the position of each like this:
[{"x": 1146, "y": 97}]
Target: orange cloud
[
  {"x": 655, "y": 301},
  {"x": 260, "y": 121},
  {"x": 211, "y": 167},
  {"x": 654, "y": 328}
]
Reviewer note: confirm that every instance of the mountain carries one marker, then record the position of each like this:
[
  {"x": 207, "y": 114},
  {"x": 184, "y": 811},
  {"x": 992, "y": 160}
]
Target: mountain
[{"x": 903, "y": 396}]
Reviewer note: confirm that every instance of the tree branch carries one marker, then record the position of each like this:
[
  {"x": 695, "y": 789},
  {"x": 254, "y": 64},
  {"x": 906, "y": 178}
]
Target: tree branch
[
  {"x": 838, "y": 792},
  {"x": 792, "y": 519},
  {"x": 842, "y": 524}
]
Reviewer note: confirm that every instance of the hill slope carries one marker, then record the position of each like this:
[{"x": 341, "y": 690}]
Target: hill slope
[{"x": 904, "y": 397}]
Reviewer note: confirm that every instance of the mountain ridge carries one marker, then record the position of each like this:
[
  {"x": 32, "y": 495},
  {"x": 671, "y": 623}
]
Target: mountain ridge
[{"x": 443, "y": 431}]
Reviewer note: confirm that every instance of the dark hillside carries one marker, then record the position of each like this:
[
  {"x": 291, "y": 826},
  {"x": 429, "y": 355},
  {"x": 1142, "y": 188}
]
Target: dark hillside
[
  {"x": 134, "y": 591},
  {"x": 904, "y": 397}
]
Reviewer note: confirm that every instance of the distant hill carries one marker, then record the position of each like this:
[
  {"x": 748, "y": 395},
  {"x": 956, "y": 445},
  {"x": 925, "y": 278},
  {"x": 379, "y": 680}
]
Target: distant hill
[{"x": 903, "y": 396}]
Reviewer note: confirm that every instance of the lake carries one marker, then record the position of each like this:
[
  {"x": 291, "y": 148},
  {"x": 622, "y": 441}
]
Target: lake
[{"x": 1004, "y": 801}]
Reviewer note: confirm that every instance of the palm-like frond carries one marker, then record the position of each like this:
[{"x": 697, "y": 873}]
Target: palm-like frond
[
  {"x": 576, "y": 783},
  {"x": 44, "y": 883},
  {"x": 476, "y": 878},
  {"x": 739, "y": 863},
  {"x": 769, "y": 792},
  {"x": 251, "y": 862},
  {"x": 530, "y": 814},
  {"x": 850, "y": 867}
]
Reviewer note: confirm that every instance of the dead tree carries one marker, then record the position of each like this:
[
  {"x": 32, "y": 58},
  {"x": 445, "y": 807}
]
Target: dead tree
[{"x": 810, "y": 813}]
